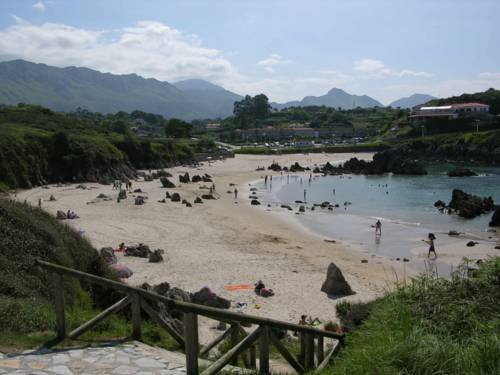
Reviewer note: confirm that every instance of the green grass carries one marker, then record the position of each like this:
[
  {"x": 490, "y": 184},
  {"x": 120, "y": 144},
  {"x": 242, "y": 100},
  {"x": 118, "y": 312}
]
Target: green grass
[
  {"x": 432, "y": 326},
  {"x": 360, "y": 147}
]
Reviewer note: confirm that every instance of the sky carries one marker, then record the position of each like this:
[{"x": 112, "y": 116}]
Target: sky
[{"x": 285, "y": 49}]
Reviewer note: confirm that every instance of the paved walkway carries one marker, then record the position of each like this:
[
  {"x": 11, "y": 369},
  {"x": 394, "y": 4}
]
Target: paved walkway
[{"x": 120, "y": 358}]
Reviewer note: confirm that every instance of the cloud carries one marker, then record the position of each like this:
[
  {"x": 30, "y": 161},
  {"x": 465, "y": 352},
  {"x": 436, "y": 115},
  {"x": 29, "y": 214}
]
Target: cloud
[
  {"x": 372, "y": 68},
  {"x": 148, "y": 48},
  {"x": 489, "y": 75},
  {"x": 39, "y": 6},
  {"x": 273, "y": 60}
]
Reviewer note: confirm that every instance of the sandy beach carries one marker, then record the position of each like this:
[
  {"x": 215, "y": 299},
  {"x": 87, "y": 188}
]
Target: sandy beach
[{"x": 226, "y": 241}]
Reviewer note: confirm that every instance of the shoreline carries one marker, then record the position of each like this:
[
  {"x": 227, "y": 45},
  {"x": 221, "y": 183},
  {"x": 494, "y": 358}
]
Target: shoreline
[{"x": 224, "y": 242}]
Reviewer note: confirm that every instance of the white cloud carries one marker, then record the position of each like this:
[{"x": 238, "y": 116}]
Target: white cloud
[
  {"x": 150, "y": 49},
  {"x": 272, "y": 60},
  {"x": 372, "y": 68},
  {"x": 489, "y": 75},
  {"x": 39, "y": 6}
]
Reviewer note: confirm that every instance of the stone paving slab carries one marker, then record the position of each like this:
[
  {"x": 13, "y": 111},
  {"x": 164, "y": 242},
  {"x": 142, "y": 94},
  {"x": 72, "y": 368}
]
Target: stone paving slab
[{"x": 123, "y": 358}]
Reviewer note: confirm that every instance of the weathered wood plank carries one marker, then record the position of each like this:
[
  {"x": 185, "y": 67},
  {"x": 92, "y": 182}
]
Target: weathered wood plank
[
  {"x": 211, "y": 312},
  {"x": 302, "y": 354},
  {"x": 309, "y": 353},
  {"x": 264, "y": 351},
  {"x": 328, "y": 357},
  {"x": 321, "y": 349},
  {"x": 286, "y": 354},
  {"x": 162, "y": 323},
  {"x": 253, "y": 357},
  {"x": 224, "y": 360},
  {"x": 100, "y": 317},
  {"x": 234, "y": 341},
  {"x": 135, "y": 300},
  {"x": 59, "y": 306},
  {"x": 191, "y": 338}
]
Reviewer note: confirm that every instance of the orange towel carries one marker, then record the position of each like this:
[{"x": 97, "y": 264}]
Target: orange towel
[{"x": 233, "y": 288}]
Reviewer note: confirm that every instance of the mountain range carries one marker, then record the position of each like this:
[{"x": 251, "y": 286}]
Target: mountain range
[
  {"x": 66, "y": 89},
  {"x": 411, "y": 101},
  {"x": 334, "y": 98}
]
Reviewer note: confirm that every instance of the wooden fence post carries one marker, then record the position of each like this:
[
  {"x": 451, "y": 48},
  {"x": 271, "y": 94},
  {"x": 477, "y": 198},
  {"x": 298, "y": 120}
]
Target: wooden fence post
[
  {"x": 321, "y": 350},
  {"x": 136, "y": 316},
  {"x": 253, "y": 357},
  {"x": 59, "y": 306},
  {"x": 264, "y": 351},
  {"x": 191, "y": 338},
  {"x": 234, "y": 340},
  {"x": 309, "y": 354}
]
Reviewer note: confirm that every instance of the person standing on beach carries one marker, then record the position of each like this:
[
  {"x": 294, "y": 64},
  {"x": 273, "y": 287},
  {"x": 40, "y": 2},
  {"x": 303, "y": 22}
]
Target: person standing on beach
[
  {"x": 235, "y": 193},
  {"x": 265, "y": 179},
  {"x": 378, "y": 228},
  {"x": 430, "y": 240},
  {"x": 305, "y": 193},
  {"x": 39, "y": 202}
]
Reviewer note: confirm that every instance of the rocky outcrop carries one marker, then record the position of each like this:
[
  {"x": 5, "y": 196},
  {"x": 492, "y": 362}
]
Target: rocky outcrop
[
  {"x": 139, "y": 200},
  {"x": 184, "y": 178},
  {"x": 335, "y": 283},
  {"x": 298, "y": 168},
  {"x": 495, "y": 220},
  {"x": 156, "y": 256},
  {"x": 461, "y": 172},
  {"x": 141, "y": 251},
  {"x": 60, "y": 215},
  {"x": 198, "y": 200},
  {"x": 208, "y": 298},
  {"x": 468, "y": 205},
  {"x": 207, "y": 196},
  {"x": 107, "y": 254},
  {"x": 175, "y": 197},
  {"x": 166, "y": 183},
  {"x": 255, "y": 202},
  {"x": 275, "y": 167}
]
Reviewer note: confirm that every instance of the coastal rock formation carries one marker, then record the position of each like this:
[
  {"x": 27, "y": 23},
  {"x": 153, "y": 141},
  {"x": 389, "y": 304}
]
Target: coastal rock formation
[
  {"x": 184, "y": 178},
  {"x": 495, "y": 219},
  {"x": 461, "y": 172},
  {"x": 207, "y": 196},
  {"x": 166, "y": 183},
  {"x": 196, "y": 178},
  {"x": 175, "y": 197},
  {"x": 156, "y": 256},
  {"x": 141, "y": 251},
  {"x": 60, "y": 215},
  {"x": 139, "y": 200},
  {"x": 198, "y": 200},
  {"x": 298, "y": 168},
  {"x": 163, "y": 173},
  {"x": 52, "y": 198},
  {"x": 208, "y": 298},
  {"x": 468, "y": 205},
  {"x": 254, "y": 202},
  {"x": 274, "y": 167},
  {"x": 335, "y": 283}
]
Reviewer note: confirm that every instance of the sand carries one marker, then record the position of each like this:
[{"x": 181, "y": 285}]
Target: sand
[{"x": 226, "y": 241}]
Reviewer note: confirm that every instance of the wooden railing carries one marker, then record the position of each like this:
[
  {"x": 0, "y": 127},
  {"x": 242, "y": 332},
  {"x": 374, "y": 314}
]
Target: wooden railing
[{"x": 312, "y": 341}]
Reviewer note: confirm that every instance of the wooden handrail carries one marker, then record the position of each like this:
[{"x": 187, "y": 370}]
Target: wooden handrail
[{"x": 187, "y": 307}]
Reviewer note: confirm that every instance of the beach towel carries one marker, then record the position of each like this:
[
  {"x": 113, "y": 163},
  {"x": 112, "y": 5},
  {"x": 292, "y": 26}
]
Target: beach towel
[{"x": 238, "y": 287}]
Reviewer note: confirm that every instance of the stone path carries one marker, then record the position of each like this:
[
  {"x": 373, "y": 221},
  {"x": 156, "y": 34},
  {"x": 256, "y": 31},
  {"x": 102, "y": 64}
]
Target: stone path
[{"x": 118, "y": 358}]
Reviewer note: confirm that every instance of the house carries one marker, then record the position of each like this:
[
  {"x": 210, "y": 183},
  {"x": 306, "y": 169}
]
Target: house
[
  {"x": 213, "y": 126},
  {"x": 451, "y": 111}
]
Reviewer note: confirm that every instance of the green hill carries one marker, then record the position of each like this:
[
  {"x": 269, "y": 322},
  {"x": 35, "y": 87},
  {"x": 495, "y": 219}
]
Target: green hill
[{"x": 66, "y": 89}]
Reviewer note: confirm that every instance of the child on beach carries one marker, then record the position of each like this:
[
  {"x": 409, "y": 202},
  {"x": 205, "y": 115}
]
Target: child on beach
[
  {"x": 378, "y": 228},
  {"x": 430, "y": 240}
]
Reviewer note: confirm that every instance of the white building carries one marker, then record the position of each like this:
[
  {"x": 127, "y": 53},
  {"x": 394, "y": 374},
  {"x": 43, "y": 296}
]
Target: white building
[{"x": 451, "y": 111}]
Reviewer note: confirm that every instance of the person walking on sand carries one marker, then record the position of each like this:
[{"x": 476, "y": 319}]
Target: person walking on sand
[
  {"x": 305, "y": 194},
  {"x": 39, "y": 202},
  {"x": 265, "y": 179},
  {"x": 430, "y": 240},
  {"x": 378, "y": 228},
  {"x": 235, "y": 193}
]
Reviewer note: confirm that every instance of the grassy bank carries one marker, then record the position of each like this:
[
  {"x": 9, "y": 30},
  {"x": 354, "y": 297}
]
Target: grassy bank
[
  {"x": 433, "y": 326},
  {"x": 26, "y": 301}
]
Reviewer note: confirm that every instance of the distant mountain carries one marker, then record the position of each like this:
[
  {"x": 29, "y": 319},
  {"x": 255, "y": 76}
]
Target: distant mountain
[
  {"x": 334, "y": 98},
  {"x": 65, "y": 89},
  {"x": 411, "y": 101},
  {"x": 211, "y": 98}
]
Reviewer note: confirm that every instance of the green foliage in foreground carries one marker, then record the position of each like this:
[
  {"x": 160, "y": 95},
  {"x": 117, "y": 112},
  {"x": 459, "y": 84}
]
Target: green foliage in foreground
[
  {"x": 433, "y": 326},
  {"x": 26, "y": 302}
]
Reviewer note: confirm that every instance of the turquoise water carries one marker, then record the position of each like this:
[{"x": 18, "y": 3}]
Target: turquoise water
[{"x": 404, "y": 204}]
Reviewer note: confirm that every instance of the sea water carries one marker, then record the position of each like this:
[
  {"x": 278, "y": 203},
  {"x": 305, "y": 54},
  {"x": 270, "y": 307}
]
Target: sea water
[{"x": 404, "y": 205}]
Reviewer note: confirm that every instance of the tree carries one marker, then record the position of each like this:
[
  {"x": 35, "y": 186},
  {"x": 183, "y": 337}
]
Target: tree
[
  {"x": 119, "y": 126},
  {"x": 176, "y": 128},
  {"x": 261, "y": 107},
  {"x": 248, "y": 110}
]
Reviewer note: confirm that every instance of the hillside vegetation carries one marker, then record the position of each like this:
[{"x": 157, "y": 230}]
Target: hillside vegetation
[
  {"x": 39, "y": 146},
  {"x": 490, "y": 97},
  {"x": 26, "y": 291},
  {"x": 432, "y": 326}
]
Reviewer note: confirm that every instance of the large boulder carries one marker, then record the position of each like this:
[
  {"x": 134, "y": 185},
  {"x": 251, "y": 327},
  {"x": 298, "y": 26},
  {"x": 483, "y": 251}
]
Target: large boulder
[
  {"x": 175, "y": 197},
  {"x": 198, "y": 200},
  {"x": 297, "y": 168},
  {"x": 60, "y": 215},
  {"x": 208, "y": 298},
  {"x": 207, "y": 196},
  {"x": 495, "y": 220},
  {"x": 184, "y": 178},
  {"x": 274, "y": 167},
  {"x": 156, "y": 256},
  {"x": 468, "y": 205},
  {"x": 107, "y": 254},
  {"x": 141, "y": 251},
  {"x": 166, "y": 183},
  {"x": 335, "y": 283},
  {"x": 139, "y": 200},
  {"x": 196, "y": 178}
]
